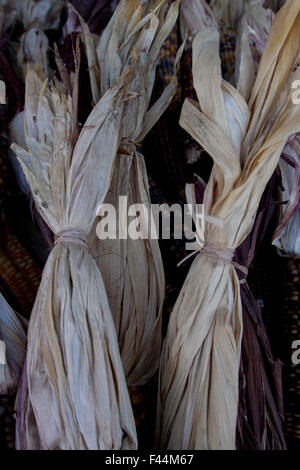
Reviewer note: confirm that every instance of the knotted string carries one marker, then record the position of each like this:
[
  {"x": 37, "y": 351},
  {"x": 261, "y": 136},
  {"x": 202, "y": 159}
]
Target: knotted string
[
  {"x": 220, "y": 253},
  {"x": 125, "y": 141},
  {"x": 72, "y": 235}
]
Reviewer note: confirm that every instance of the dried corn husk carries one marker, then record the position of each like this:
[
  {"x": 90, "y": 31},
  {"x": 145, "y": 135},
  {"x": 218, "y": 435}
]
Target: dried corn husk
[
  {"x": 260, "y": 413},
  {"x": 198, "y": 390},
  {"x": 275, "y": 5},
  {"x": 228, "y": 12},
  {"x": 37, "y": 17},
  {"x": 13, "y": 337},
  {"x": 253, "y": 29},
  {"x": 43, "y": 14},
  {"x": 194, "y": 15},
  {"x": 253, "y": 32},
  {"x": 38, "y": 237},
  {"x": 287, "y": 234},
  {"x": 26, "y": 426},
  {"x": 132, "y": 269},
  {"x": 76, "y": 385},
  {"x": 96, "y": 13}
]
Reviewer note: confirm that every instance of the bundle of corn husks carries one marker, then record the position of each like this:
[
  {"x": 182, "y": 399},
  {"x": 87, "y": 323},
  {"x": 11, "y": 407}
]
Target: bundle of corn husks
[
  {"x": 198, "y": 391},
  {"x": 259, "y": 413},
  {"x": 132, "y": 269},
  {"x": 73, "y": 394},
  {"x": 287, "y": 235}
]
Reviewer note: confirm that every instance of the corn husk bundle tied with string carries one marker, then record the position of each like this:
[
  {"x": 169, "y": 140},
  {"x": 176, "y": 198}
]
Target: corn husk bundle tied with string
[
  {"x": 194, "y": 15},
  {"x": 77, "y": 395},
  {"x": 198, "y": 390},
  {"x": 259, "y": 412},
  {"x": 132, "y": 269}
]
